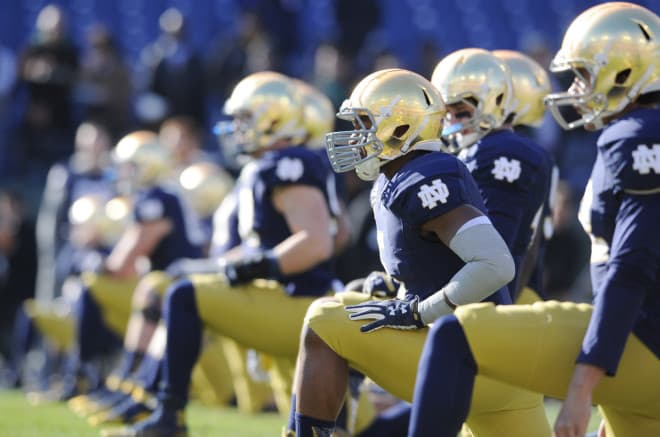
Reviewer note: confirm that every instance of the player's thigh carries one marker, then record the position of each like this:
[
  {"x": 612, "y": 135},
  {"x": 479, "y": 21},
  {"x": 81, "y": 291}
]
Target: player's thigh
[
  {"x": 150, "y": 288},
  {"x": 635, "y": 388},
  {"x": 500, "y": 409},
  {"x": 528, "y": 296},
  {"x": 56, "y": 325},
  {"x": 388, "y": 356},
  {"x": 259, "y": 315},
  {"x": 535, "y": 347},
  {"x": 113, "y": 296},
  {"x": 621, "y": 423}
]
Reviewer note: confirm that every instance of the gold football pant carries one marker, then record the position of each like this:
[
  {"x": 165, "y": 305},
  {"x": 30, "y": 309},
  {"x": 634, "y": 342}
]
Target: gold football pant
[
  {"x": 390, "y": 358},
  {"x": 535, "y": 347}
]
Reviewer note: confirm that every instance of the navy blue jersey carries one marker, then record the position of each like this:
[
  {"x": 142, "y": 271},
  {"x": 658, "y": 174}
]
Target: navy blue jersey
[
  {"x": 261, "y": 226},
  {"x": 186, "y": 238},
  {"x": 545, "y": 226},
  {"x": 426, "y": 187},
  {"x": 513, "y": 177},
  {"x": 225, "y": 226},
  {"x": 623, "y": 222}
]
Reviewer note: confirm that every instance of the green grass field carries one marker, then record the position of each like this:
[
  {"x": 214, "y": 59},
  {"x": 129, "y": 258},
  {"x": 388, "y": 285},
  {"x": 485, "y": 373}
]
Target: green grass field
[{"x": 19, "y": 419}]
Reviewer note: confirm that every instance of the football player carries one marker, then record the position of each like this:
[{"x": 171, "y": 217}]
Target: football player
[
  {"x": 203, "y": 186},
  {"x": 511, "y": 171},
  {"x": 434, "y": 238},
  {"x": 86, "y": 173},
  {"x": 605, "y": 354},
  {"x": 531, "y": 84},
  {"x": 284, "y": 263},
  {"x": 163, "y": 230}
]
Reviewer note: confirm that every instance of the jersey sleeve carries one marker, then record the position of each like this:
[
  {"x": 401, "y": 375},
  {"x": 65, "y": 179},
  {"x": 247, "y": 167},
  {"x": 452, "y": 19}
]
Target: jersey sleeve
[
  {"x": 225, "y": 226},
  {"x": 634, "y": 166},
  {"x": 294, "y": 169},
  {"x": 633, "y": 265},
  {"x": 430, "y": 197}
]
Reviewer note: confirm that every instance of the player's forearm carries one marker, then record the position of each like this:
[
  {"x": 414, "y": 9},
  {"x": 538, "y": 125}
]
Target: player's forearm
[
  {"x": 302, "y": 251},
  {"x": 585, "y": 379},
  {"x": 488, "y": 267}
]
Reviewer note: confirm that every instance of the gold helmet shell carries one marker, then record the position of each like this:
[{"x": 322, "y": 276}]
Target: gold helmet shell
[
  {"x": 266, "y": 108},
  {"x": 531, "y": 84},
  {"x": 318, "y": 114},
  {"x": 205, "y": 185},
  {"x": 613, "y": 51},
  {"x": 148, "y": 160},
  {"x": 478, "y": 78},
  {"x": 393, "y": 111},
  {"x": 95, "y": 221}
]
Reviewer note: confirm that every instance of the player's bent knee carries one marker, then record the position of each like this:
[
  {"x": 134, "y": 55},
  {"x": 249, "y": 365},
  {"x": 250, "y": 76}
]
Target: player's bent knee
[
  {"x": 447, "y": 334},
  {"x": 180, "y": 295}
]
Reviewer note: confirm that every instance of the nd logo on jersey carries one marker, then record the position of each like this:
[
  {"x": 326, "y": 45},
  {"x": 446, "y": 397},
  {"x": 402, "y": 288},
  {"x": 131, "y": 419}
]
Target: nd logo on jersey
[
  {"x": 430, "y": 195},
  {"x": 506, "y": 169},
  {"x": 646, "y": 159}
]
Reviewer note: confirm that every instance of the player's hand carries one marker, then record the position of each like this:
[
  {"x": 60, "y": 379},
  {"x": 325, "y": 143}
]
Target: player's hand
[
  {"x": 380, "y": 284},
  {"x": 574, "y": 416},
  {"x": 260, "y": 265},
  {"x": 393, "y": 313}
]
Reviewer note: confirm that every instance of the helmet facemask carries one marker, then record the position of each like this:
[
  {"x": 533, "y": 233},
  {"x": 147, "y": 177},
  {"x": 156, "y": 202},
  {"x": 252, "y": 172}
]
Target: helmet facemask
[
  {"x": 580, "y": 95},
  {"x": 473, "y": 126},
  {"x": 358, "y": 148}
]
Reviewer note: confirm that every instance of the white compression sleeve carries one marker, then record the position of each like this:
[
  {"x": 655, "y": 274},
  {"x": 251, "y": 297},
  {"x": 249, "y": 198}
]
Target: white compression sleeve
[{"x": 488, "y": 267}]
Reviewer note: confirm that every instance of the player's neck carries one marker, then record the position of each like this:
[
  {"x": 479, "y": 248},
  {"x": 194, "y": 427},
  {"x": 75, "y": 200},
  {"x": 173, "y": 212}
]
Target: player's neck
[{"x": 390, "y": 169}]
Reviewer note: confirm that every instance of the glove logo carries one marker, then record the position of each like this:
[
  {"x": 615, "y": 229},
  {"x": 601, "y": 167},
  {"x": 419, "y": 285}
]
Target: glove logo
[
  {"x": 646, "y": 159},
  {"x": 289, "y": 169},
  {"x": 430, "y": 195},
  {"x": 506, "y": 169}
]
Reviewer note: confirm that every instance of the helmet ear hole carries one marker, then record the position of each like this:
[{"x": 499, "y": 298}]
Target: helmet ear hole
[
  {"x": 644, "y": 30},
  {"x": 498, "y": 99},
  {"x": 622, "y": 76},
  {"x": 426, "y": 97},
  {"x": 400, "y": 131}
]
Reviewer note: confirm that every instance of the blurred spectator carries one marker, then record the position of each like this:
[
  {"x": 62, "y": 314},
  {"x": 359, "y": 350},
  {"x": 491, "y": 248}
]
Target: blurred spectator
[
  {"x": 7, "y": 82},
  {"x": 280, "y": 19},
  {"x": 87, "y": 172},
  {"x": 331, "y": 73},
  {"x": 48, "y": 68},
  {"x": 17, "y": 266},
  {"x": 356, "y": 20},
  {"x": 231, "y": 59},
  {"x": 182, "y": 138},
  {"x": 565, "y": 274},
  {"x": 105, "y": 86},
  {"x": 176, "y": 74}
]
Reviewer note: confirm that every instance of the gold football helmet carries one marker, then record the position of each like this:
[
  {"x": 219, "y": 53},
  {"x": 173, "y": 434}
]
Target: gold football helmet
[
  {"x": 393, "y": 112},
  {"x": 613, "y": 51},
  {"x": 531, "y": 84},
  {"x": 205, "y": 185},
  {"x": 478, "y": 79},
  {"x": 143, "y": 157},
  {"x": 266, "y": 108},
  {"x": 318, "y": 114},
  {"x": 95, "y": 221}
]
